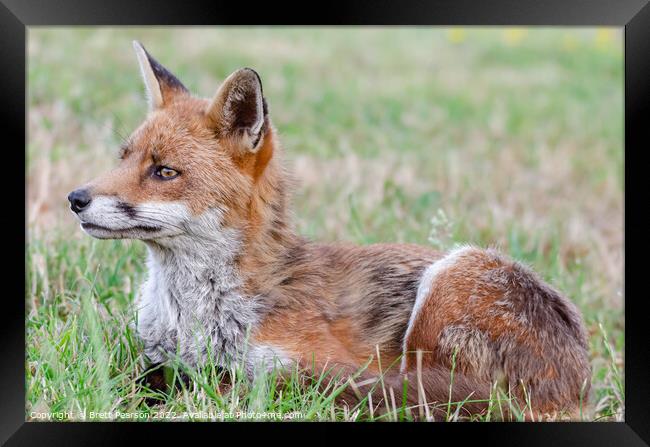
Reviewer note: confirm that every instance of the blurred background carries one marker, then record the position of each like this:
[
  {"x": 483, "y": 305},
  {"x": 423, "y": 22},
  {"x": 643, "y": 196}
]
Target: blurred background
[{"x": 511, "y": 137}]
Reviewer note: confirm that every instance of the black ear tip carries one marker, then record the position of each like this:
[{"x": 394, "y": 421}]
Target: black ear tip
[
  {"x": 248, "y": 72},
  {"x": 154, "y": 63},
  {"x": 138, "y": 46}
]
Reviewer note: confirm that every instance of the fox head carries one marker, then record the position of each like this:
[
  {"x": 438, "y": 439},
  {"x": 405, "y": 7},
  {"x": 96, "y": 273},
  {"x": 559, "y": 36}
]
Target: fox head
[{"x": 191, "y": 156}]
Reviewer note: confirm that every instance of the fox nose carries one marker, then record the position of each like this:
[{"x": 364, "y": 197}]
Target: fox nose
[{"x": 79, "y": 200}]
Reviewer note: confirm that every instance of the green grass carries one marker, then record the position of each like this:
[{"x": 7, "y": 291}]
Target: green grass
[{"x": 434, "y": 136}]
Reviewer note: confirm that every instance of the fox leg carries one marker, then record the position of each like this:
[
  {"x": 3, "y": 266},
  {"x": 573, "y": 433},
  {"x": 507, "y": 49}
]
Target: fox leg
[
  {"x": 155, "y": 379},
  {"x": 497, "y": 321}
]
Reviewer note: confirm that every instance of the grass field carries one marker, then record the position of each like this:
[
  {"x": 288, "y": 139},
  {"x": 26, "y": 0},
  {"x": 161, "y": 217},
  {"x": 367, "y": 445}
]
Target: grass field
[{"x": 504, "y": 137}]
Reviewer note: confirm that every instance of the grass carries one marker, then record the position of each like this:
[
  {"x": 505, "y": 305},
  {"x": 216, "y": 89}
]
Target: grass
[{"x": 506, "y": 137}]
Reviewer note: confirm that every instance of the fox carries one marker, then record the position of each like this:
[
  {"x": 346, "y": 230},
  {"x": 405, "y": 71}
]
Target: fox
[{"x": 203, "y": 184}]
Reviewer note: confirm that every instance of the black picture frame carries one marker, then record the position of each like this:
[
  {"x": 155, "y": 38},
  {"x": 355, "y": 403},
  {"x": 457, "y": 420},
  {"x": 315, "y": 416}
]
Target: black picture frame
[{"x": 632, "y": 15}]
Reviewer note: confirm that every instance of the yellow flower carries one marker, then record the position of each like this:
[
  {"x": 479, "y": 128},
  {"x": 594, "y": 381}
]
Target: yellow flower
[
  {"x": 513, "y": 36},
  {"x": 604, "y": 37},
  {"x": 456, "y": 35}
]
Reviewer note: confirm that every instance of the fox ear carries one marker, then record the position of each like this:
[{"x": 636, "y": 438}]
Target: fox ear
[
  {"x": 238, "y": 109},
  {"x": 160, "y": 85}
]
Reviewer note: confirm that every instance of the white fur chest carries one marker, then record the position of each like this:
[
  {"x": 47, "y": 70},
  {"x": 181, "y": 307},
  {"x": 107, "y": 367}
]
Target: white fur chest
[{"x": 191, "y": 302}]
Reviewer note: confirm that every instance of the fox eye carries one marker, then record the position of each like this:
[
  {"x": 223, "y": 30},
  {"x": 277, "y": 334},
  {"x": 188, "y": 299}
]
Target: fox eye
[{"x": 165, "y": 173}]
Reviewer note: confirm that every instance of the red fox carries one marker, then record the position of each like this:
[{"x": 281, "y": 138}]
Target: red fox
[{"x": 201, "y": 182}]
